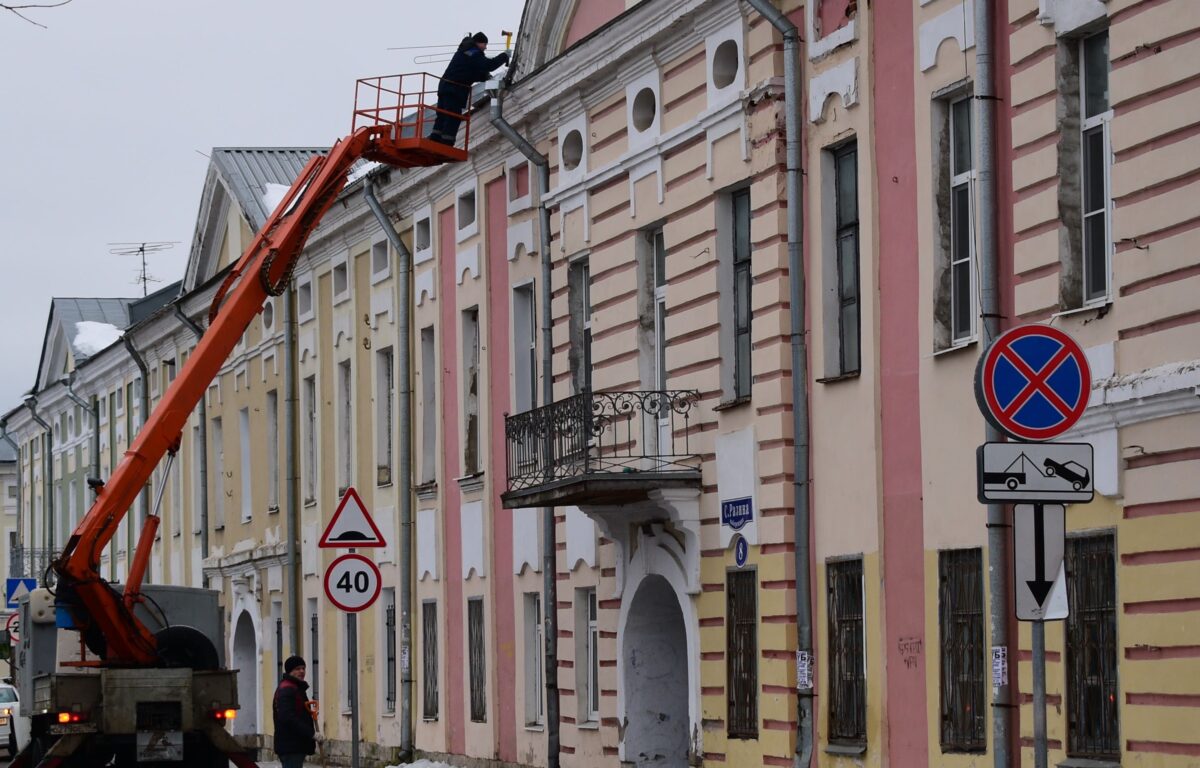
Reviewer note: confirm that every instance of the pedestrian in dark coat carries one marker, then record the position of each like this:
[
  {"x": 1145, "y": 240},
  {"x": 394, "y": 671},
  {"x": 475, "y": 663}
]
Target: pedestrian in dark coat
[
  {"x": 469, "y": 65},
  {"x": 294, "y": 726}
]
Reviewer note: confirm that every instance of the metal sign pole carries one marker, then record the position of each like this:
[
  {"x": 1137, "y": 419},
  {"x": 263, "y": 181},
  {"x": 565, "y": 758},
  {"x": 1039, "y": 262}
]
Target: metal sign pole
[
  {"x": 1039, "y": 694},
  {"x": 352, "y": 638}
]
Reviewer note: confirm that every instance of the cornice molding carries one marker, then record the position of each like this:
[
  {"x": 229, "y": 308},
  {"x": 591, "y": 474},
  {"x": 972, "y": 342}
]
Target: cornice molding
[{"x": 1157, "y": 393}]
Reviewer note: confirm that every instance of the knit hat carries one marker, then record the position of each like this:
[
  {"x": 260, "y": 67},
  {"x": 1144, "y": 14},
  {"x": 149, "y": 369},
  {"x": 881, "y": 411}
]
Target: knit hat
[
  {"x": 479, "y": 37},
  {"x": 292, "y": 663}
]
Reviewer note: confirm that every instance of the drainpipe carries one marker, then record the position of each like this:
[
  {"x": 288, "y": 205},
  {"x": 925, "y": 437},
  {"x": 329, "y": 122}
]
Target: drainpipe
[
  {"x": 93, "y": 410},
  {"x": 47, "y": 479},
  {"x": 20, "y": 490},
  {"x": 292, "y": 489},
  {"x": 202, "y": 449},
  {"x": 985, "y": 101},
  {"x": 549, "y": 536},
  {"x": 796, "y": 299},
  {"x": 144, "y": 496},
  {"x": 404, "y": 481}
]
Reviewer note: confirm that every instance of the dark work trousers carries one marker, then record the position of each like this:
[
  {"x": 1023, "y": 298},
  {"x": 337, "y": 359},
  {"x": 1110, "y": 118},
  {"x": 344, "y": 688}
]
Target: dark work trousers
[{"x": 452, "y": 98}]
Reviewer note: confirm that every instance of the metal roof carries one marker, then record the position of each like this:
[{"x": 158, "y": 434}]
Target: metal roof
[
  {"x": 248, "y": 170},
  {"x": 7, "y": 454},
  {"x": 140, "y": 309},
  {"x": 69, "y": 311}
]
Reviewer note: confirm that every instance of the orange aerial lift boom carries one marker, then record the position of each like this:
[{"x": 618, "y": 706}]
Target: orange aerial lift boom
[{"x": 391, "y": 121}]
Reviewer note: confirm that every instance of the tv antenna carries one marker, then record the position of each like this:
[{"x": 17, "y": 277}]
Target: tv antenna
[{"x": 141, "y": 249}]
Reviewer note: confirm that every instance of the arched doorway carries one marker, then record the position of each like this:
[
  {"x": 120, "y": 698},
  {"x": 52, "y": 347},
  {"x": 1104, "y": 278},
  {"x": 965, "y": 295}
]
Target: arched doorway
[
  {"x": 245, "y": 661},
  {"x": 654, "y": 654}
]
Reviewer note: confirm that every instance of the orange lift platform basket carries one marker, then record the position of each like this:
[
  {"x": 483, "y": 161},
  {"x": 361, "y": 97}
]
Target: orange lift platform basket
[{"x": 407, "y": 105}]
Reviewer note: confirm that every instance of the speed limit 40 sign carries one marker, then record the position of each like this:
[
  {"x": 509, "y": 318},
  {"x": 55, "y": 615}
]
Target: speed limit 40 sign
[{"x": 352, "y": 583}]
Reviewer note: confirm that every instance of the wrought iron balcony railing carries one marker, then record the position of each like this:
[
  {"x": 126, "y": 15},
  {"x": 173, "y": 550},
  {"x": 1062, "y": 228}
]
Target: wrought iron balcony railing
[
  {"x": 30, "y": 562},
  {"x": 627, "y": 435}
]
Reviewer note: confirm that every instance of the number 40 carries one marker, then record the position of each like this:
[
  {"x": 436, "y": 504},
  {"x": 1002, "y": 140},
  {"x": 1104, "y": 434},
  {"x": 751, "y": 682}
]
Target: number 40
[{"x": 361, "y": 582}]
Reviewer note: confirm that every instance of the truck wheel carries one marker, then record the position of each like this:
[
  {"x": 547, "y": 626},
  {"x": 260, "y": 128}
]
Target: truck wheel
[{"x": 1011, "y": 483}]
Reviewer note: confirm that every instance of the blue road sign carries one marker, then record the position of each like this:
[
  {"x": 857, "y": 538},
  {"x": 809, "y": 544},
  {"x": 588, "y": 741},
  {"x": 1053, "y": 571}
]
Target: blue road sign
[
  {"x": 737, "y": 512},
  {"x": 14, "y": 589},
  {"x": 1033, "y": 382},
  {"x": 741, "y": 550}
]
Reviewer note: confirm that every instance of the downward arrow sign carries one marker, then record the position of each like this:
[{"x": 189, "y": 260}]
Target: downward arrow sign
[{"x": 1039, "y": 587}]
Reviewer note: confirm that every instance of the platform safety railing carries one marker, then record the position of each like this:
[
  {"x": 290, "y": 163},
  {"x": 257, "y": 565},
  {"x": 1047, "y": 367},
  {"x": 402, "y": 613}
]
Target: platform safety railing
[{"x": 407, "y": 101}]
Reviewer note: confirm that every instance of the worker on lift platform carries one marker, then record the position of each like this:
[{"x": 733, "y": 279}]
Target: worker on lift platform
[{"x": 469, "y": 65}]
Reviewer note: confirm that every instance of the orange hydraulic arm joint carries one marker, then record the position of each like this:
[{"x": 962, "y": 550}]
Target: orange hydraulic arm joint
[{"x": 263, "y": 270}]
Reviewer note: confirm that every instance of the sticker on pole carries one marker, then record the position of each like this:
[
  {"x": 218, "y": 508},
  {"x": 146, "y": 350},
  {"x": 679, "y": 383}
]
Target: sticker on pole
[
  {"x": 351, "y": 525},
  {"x": 1033, "y": 382},
  {"x": 352, "y": 582}
]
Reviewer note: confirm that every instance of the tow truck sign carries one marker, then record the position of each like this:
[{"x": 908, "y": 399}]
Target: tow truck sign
[{"x": 1035, "y": 472}]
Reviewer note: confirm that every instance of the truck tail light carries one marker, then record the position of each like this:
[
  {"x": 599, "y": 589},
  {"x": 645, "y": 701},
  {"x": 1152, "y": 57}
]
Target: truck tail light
[
  {"x": 221, "y": 715},
  {"x": 71, "y": 717}
]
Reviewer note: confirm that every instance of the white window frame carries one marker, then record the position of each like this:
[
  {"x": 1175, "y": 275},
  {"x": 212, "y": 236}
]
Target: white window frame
[
  {"x": 525, "y": 364},
  {"x": 217, "y": 441},
  {"x": 957, "y": 182},
  {"x": 272, "y": 406},
  {"x": 1090, "y": 125},
  {"x": 305, "y": 294},
  {"x": 593, "y": 658},
  {"x": 380, "y": 246},
  {"x": 309, "y": 404},
  {"x": 345, "y": 426},
  {"x": 245, "y": 458},
  {"x": 342, "y": 264},
  {"x": 429, "y": 415},
  {"x": 385, "y": 395},
  {"x": 660, "y": 308},
  {"x": 535, "y": 711}
]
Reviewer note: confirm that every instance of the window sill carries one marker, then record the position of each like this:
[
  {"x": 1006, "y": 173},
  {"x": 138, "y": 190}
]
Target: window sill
[
  {"x": 535, "y": 727},
  {"x": 272, "y": 509},
  {"x": 957, "y": 347},
  {"x": 845, "y": 749},
  {"x": 387, "y": 484},
  {"x": 1083, "y": 762},
  {"x": 1100, "y": 307},
  {"x": 727, "y": 405},
  {"x": 310, "y": 503},
  {"x": 388, "y": 715},
  {"x": 429, "y": 719},
  {"x": 839, "y": 377},
  {"x": 588, "y": 725},
  {"x": 471, "y": 483},
  {"x": 427, "y": 491}
]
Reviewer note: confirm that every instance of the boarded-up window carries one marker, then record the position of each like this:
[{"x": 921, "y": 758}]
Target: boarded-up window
[
  {"x": 960, "y": 622},
  {"x": 389, "y": 649},
  {"x": 429, "y": 660},
  {"x": 741, "y": 639},
  {"x": 847, "y": 654},
  {"x": 476, "y": 653},
  {"x": 1093, "y": 726}
]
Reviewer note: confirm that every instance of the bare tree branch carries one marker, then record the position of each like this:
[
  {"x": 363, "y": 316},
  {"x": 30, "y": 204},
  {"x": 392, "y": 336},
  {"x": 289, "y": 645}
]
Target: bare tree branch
[{"x": 16, "y": 10}]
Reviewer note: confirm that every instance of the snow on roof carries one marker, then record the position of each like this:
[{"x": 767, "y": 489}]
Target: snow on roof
[
  {"x": 91, "y": 337},
  {"x": 361, "y": 170},
  {"x": 273, "y": 195}
]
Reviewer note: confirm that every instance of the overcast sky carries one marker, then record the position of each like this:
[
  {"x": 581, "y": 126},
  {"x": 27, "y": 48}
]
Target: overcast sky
[{"x": 107, "y": 114}]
